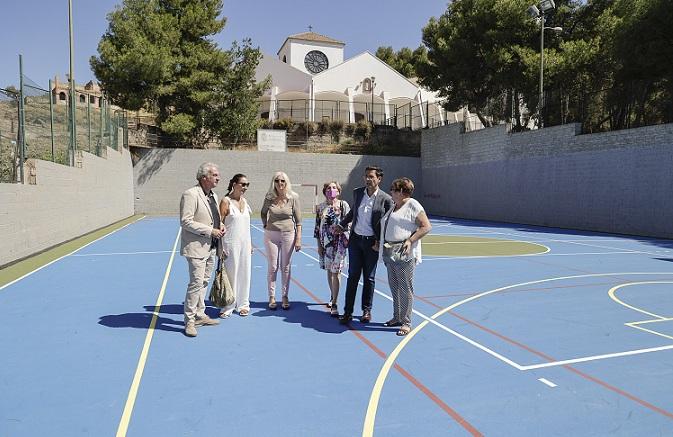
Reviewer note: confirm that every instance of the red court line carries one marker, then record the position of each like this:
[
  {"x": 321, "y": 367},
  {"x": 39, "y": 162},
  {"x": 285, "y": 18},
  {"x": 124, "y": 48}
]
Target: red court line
[
  {"x": 568, "y": 367},
  {"x": 441, "y": 404}
]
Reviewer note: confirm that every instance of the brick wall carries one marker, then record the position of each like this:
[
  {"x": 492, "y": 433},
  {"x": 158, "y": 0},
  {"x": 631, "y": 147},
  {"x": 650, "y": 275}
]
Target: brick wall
[
  {"x": 618, "y": 182},
  {"x": 64, "y": 203}
]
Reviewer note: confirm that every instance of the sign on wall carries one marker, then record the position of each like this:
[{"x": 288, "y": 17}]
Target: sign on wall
[{"x": 271, "y": 140}]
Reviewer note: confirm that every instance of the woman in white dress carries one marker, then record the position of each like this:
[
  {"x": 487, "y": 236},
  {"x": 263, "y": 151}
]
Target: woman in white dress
[{"x": 237, "y": 244}]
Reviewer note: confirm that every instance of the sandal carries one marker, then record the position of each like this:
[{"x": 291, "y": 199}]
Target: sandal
[
  {"x": 404, "y": 330},
  {"x": 243, "y": 312},
  {"x": 286, "y": 303},
  {"x": 272, "y": 303},
  {"x": 392, "y": 322},
  {"x": 334, "y": 311}
]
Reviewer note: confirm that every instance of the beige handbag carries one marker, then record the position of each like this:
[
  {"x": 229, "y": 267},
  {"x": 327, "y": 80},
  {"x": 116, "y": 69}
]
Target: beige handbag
[{"x": 221, "y": 293}]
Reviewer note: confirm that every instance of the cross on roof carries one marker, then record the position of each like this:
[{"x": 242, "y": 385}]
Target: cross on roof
[{"x": 310, "y": 28}]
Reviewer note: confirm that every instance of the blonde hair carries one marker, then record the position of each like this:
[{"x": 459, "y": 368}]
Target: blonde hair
[{"x": 272, "y": 194}]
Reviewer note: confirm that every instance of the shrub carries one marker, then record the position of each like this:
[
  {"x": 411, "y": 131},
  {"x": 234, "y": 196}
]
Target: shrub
[
  {"x": 336, "y": 128},
  {"x": 284, "y": 124},
  {"x": 305, "y": 128},
  {"x": 363, "y": 130},
  {"x": 265, "y": 123},
  {"x": 349, "y": 129},
  {"x": 323, "y": 127}
]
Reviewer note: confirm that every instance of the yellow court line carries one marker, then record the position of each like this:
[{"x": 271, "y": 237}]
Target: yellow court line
[
  {"x": 614, "y": 297},
  {"x": 370, "y": 417},
  {"x": 133, "y": 392}
]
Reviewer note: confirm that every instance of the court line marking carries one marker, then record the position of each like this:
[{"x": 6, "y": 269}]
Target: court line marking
[
  {"x": 68, "y": 254},
  {"x": 451, "y": 412},
  {"x": 657, "y": 318},
  {"x": 545, "y": 254},
  {"x": 370, "y": 418},
  {"x": 547, "y": 382},
  {"x": 133, "y": 391},
  {"x": 123, "y": 253}
]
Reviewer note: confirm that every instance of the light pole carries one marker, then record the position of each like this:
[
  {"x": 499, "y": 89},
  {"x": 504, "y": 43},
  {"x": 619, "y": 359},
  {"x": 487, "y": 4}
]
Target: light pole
[
  {"x": 538, "y": 14},
  {"x": 373, "y": 79}
]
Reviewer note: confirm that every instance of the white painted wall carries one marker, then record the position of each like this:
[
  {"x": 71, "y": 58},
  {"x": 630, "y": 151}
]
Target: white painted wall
[
  {"x": 298, "y": 50},
  {"x": 353, "y": 72},
  {"x": 285, "y": 77},
  {"x": 65, "y": 203}
]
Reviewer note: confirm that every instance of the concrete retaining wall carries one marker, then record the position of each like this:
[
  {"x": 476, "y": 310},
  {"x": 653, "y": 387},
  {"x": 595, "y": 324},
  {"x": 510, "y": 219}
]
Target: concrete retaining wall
[
  {"x": 64, "y": 203},
  {"x": 620, "y": 182},
  {"x": 161, "y": 175}
]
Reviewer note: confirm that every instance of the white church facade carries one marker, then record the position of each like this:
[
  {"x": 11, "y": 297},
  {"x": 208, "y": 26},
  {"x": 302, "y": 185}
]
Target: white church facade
[{"x": 311, "y": 81}]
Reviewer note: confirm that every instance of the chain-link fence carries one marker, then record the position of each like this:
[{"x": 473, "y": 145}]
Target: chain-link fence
[{"x": 36, "y": 123}]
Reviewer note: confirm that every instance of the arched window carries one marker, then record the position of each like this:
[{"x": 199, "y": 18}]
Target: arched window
[
  {"x": 284, "y": 59},
  {"x": 82, "y": 98},
  {"x": 92, "y": 99},
  {"x": 61, "y": 95}
]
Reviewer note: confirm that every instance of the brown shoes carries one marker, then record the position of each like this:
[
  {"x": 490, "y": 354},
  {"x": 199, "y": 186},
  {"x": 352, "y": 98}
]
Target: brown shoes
[{"x": 366, "y": 316}]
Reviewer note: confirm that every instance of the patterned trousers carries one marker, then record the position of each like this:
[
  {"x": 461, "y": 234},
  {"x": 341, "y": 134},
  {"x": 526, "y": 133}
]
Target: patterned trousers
[{"x": 401, "y": 282}]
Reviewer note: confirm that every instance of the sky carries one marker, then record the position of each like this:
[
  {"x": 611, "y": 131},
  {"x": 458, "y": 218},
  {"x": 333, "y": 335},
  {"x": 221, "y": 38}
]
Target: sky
[{"x": 38, "y": 29}]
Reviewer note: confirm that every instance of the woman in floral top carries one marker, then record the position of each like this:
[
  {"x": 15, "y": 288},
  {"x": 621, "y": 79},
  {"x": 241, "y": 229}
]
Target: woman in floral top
[{"x": 331, "y": 247}]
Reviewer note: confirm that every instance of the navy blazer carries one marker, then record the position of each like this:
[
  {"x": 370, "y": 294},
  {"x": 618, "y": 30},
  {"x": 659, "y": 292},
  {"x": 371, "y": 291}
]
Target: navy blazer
[{"x": 382, "y": 203}]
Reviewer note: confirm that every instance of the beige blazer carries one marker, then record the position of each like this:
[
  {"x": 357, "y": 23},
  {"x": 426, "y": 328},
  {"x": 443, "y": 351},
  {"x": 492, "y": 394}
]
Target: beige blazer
[{"x": 196, "y": 221}]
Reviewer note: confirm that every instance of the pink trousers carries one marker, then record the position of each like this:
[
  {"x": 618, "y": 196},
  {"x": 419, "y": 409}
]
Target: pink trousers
[{"x": 279, "y": 247}]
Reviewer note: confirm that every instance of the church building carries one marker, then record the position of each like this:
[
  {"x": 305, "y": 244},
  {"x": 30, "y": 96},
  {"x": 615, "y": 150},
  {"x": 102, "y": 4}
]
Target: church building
[{"x": 312, "y": 81}]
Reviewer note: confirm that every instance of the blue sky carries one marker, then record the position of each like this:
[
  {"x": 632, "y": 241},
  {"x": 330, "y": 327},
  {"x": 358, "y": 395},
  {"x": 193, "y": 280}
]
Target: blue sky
[{"x": 38, "y": 29}]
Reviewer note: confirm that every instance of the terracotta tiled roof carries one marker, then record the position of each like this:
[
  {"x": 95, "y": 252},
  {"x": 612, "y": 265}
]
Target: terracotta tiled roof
[{"x": 312, "y": 36}]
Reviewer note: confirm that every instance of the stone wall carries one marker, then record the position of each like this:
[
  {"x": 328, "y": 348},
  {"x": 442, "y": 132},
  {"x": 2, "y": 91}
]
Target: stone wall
[
  {"x": 161, "y": 175},
  {"x": 59, "y": 203},
  {"x": 619, "y": 182}
]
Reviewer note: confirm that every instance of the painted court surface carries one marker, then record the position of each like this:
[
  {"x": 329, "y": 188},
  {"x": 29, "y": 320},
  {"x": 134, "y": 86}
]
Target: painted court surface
[{"x": 519, "y": 331}]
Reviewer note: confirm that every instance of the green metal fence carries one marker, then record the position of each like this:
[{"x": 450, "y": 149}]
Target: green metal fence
[{"x": 36, "y": 123}]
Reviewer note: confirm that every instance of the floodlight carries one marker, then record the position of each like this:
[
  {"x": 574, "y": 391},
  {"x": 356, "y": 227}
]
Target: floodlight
[
  {"x": 533, "y": 11},
  {"x": 547, "y": 5}
]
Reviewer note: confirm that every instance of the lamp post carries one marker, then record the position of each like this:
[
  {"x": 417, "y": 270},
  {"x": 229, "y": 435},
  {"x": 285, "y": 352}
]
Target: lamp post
[
  {"x": 373, "y": 79},
  {"x": 538, "y": 14}
]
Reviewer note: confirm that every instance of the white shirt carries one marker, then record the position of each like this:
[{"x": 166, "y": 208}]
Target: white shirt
[
  {"x": 363, "y": 226},
  {"x": 401, "y": 224}
]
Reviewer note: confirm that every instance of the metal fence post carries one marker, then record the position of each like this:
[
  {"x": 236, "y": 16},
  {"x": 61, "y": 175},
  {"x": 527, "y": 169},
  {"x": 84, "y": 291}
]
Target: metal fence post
[
  {"x": 51, "y": 120},
  {"x": 88, "y": 118},
  {"x": 22, "y": 125}
]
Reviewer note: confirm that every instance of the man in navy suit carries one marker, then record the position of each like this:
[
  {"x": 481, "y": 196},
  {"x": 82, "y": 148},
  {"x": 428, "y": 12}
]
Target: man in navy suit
[{"x": 370, "y": 204}]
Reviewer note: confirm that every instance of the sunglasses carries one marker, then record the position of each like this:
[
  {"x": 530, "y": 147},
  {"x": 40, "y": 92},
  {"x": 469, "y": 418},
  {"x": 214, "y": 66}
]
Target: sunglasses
[
  {"x": 279, "y": 180},
  {"x": 244, "y": 184}
]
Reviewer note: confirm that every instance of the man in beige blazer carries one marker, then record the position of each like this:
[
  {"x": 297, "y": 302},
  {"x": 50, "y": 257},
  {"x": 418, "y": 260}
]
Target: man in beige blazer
[{"x": 201, "y": 230}]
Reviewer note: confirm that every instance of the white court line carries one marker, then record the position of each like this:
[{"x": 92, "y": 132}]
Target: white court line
[
  {"x": 547, "y": 382},
  {"x": 444, "y": 328},
  {"x": 545, "y": 254},
  {"x": 597, "y": 357},
  {"x": 512, "y": 362},
  {"x": 123, "y": 253},
  {"x": 68, "y": 254}
]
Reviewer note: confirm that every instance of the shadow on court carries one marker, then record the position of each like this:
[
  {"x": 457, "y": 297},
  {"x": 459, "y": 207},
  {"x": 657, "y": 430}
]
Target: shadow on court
[{"x": 312, "y": 316}]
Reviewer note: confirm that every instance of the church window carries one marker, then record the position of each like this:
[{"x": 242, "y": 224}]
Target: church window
[
  {"x": 61, "y": 95},
  {"x": 284, "y": 59},
  {"x": 82, "y": 98},
  {"x": 316, "y": 61}
]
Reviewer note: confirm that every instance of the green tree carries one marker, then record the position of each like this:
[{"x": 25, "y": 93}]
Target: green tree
[
  {"x": 405, "y": 60},
  {"x": 159, "y": 55}
]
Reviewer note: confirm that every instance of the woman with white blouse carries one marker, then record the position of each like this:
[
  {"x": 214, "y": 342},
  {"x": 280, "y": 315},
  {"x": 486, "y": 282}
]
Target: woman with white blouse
[{"x": 401, "y": 231}]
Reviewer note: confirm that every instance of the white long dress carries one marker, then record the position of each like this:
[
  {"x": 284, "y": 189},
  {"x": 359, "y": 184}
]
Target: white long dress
[{"x": 237, "y": 244}]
